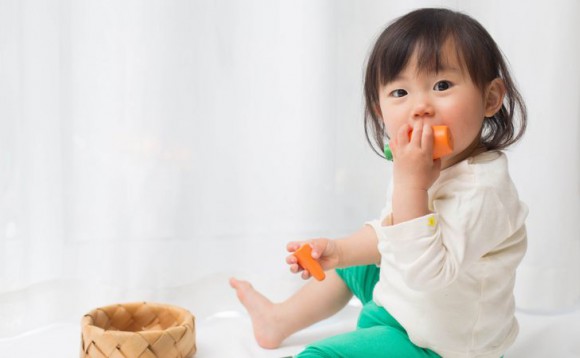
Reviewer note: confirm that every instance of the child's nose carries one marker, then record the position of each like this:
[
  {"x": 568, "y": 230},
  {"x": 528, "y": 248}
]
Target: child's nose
[{"x": 422, "y": 108}]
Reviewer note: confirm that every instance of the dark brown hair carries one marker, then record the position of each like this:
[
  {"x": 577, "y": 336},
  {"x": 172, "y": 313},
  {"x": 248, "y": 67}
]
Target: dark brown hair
[{"x": 426, "y": 31}]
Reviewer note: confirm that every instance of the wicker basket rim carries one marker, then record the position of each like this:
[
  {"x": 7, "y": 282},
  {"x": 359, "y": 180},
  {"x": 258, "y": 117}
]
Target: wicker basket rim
[
  {"x": 144, "y": 332},
  {"x": 188, "y": 319}
]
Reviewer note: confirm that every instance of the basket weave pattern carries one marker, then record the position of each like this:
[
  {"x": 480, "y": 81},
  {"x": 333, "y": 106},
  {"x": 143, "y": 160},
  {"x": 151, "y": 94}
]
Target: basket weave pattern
[{"x": 143, "y": 330}]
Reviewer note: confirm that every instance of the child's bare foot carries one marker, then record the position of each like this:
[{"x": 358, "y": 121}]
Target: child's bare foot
[{"x": 267, "y": 330}]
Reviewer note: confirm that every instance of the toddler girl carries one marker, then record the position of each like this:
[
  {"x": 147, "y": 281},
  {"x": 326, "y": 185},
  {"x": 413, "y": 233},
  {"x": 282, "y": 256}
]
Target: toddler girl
[{"x": 436, "y": 272}]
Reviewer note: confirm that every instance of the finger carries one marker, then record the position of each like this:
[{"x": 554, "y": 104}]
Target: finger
[
  {"x": 291, "y": 260},
  {"x": 295, "y": 268},
  {"x": 427, "y": 139},
  {"x": 417, "y": 133},
  {"x": 305, "y": 274},
  {"x": 403, "y": 134},
  {"x": 318, "y": 247},
  {"x": 293, "y": 246}
]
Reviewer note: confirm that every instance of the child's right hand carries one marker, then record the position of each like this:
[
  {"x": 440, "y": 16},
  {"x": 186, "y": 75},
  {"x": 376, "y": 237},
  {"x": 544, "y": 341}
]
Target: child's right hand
[
  {"x": 414, "y": 166},
  {"x": 324, "y": 251}
]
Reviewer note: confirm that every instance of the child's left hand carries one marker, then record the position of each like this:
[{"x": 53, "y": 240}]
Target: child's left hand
[{"x": 323, "y": 250}]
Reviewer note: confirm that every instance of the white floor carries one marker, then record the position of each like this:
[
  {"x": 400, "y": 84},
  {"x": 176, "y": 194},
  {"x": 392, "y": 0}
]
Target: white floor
[{"x": 224, "y": 330}]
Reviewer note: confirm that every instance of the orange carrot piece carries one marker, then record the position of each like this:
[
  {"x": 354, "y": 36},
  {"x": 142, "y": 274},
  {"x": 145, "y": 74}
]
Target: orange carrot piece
[
  {"x": 442, "y": 141},
  {"x": 307, "y": 262}
]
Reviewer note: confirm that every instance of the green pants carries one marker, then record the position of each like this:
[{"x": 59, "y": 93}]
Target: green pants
[{"x": 377, "y": 334}]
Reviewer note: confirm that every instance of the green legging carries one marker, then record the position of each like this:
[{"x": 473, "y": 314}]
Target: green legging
[{"x": 377, "y": 334}]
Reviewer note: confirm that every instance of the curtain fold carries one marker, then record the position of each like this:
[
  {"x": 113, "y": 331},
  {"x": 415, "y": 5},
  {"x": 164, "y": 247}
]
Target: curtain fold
[{"x": 147, "y": 145}]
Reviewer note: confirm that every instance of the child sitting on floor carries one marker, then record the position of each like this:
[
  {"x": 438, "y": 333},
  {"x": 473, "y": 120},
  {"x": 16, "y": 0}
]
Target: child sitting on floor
[{"x": 436, "y": 272}]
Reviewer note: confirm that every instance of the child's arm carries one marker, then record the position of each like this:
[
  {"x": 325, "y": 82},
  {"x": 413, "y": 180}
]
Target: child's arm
[
  {"x": 414, "y": 172},
  {"x": 359, "y": 248}
]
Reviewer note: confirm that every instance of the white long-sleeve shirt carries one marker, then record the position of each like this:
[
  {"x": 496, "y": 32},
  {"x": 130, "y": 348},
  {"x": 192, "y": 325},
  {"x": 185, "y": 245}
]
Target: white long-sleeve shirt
[{"x": 448, "y": 277}]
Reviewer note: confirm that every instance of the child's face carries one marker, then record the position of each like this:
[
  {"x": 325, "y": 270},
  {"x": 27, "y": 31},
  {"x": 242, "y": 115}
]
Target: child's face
[{"x": 448, "y": 97}]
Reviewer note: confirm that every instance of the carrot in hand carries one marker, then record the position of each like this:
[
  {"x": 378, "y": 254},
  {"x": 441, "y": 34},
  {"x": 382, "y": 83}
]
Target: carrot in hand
[
  {"x": 442, "y": 143},
  {"x": 307, "y": 262}
]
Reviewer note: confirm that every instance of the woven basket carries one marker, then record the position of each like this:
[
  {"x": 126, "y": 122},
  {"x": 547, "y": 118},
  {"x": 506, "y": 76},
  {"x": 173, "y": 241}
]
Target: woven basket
[{"x": 143, "y": 329}]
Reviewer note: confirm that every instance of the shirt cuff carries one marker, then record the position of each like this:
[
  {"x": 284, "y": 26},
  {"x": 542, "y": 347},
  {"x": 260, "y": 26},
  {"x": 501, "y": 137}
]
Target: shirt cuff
[
  {"x": 424, "y": 226},
  {"x": 419, "y": 227}
]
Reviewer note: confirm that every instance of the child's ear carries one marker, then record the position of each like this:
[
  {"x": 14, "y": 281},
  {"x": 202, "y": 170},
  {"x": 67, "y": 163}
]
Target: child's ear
[{"x": 494, "y": 97}]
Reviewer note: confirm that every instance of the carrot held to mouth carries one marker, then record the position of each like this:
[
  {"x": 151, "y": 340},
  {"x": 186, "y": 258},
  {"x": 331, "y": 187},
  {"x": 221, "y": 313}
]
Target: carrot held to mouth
[{"x": 442, "y": 143}]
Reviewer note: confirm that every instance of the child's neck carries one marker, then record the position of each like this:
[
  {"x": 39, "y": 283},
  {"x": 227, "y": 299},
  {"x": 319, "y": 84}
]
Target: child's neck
[{"x": 474, "y": 149}]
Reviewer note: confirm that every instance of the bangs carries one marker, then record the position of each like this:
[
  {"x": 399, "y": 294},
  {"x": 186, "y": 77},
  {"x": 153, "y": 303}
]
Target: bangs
[
  {"x": 424, "y": 37},
  {"x": 425, "y": 45}
]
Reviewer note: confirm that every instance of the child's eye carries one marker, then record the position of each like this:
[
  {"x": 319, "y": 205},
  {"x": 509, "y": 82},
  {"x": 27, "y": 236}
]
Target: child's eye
[
  {"x": 442, "y": 86},
  {"x": 398, "y": 93}
]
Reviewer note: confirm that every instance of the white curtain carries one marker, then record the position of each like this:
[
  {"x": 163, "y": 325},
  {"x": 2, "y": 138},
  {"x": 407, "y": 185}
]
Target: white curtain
[{"x": 146, "y": 145}]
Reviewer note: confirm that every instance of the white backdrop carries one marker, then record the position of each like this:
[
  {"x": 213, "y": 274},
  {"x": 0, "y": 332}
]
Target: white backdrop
[{"x": 145, "y": 145}]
